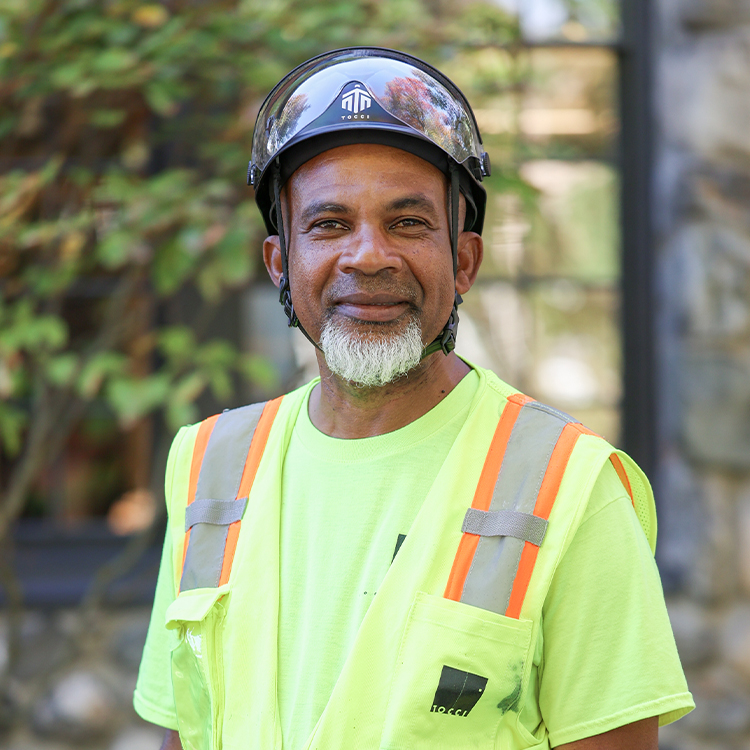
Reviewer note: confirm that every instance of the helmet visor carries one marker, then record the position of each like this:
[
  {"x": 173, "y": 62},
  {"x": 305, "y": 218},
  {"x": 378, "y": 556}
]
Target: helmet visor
[{"x": 406, "y": 88}]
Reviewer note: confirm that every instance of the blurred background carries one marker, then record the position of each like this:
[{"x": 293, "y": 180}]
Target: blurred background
[{"x": 616, "y": 286}]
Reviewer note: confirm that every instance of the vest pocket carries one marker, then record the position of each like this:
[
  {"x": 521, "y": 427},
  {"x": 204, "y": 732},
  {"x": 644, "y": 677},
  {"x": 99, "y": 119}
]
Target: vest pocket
[
  {"x": 197, "y": 670},
  {"x": 461, "y": 672}
]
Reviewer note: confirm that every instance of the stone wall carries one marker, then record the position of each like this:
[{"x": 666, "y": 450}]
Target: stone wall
[
  {"x": 702, "y": 201},
  {"x": 73, "y": 683}
]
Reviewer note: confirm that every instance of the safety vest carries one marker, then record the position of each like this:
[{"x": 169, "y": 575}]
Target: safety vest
[{"x": 444, "y": 654}]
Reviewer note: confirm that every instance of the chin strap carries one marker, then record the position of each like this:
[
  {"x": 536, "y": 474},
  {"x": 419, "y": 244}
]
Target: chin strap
[{"x": 446, "y": 340}]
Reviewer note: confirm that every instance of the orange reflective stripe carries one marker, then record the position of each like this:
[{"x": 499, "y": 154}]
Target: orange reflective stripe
[
  {"x": 558, "y": 462},
  {"x": 461, "y": 566},
  {"x": 254, "y": 455},
  {"x": 483, "y": 494},
  {"x": 258, "y": 445},
  {"x": 545, "y": 500},
  {"x": 620, "y": 469},
  {"x": 233, "y": 533},
  {"x": 199, "y": 450},
  {"x": 494, "y": 460}
]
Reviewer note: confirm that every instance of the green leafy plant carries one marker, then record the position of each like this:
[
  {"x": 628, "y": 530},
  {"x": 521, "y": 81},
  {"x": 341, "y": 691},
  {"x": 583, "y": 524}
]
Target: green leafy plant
[{"x": 124, "y": 128}]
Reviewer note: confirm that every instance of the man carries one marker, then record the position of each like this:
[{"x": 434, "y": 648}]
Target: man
[{"x": 405, "y": 553}]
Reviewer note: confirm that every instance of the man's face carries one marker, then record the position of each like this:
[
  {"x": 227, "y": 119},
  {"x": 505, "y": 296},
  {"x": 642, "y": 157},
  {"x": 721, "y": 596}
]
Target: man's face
[{"x": 369, "y": 243}]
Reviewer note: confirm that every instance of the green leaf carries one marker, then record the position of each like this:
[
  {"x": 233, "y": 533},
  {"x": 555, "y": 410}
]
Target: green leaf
[
  {"x": 236, "y": 263},
  {"x": 171, "y": 266},
  {"x": 221, "y": 384},
  {"x": 258, "y": 371},
  {"x": 179, "y": 414},
  {"x": 186, "y": 390},
  {"x": 217, "y": 353},
  {"x": 176, "y": 342},
  {"x": 97, "y": 370},
  {"x": 161, "y": 98},
  {"x": 114, "y": 250},
  {"x": 51, "y": 169},
  {"x": 133, "y": 398},
  {"x": 107, "y": 118},
  {"x": 62, "y": 369},
  {"x": 12, "y": 423},
  {"x": 114, "y": 60},
  {"x": 210, "y": 281},
  {"x": 32, "y": 333},
  {"x": 67, "y": 76}
]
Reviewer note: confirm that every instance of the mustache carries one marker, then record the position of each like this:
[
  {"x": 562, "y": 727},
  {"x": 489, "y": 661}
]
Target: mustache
[{"x": 379, "y": 283}]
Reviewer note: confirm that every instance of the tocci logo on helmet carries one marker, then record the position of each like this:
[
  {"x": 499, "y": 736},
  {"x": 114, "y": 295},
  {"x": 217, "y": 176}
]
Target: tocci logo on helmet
[{"x": 356, "y": 101}]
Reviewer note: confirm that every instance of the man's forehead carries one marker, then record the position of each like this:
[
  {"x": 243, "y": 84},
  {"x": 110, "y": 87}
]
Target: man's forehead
[{"x": 356, "y": 163}]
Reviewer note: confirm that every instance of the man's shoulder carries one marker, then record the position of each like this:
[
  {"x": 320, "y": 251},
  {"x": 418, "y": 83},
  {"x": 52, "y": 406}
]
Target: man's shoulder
[
  {"x": 491, "y": 383},
  {"x": 498, "y": 389}
]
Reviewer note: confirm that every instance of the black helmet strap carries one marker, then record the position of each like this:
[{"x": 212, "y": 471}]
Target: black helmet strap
[
  {"x": 446, "y": 340},
  {"x": 285, "y": 291}
]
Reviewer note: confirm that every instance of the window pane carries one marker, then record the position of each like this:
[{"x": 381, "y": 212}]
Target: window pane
[
  {"x": 569, "y": 20},
  {"x": 545, "y": 311},
  {"x": 551, "y": 102}
]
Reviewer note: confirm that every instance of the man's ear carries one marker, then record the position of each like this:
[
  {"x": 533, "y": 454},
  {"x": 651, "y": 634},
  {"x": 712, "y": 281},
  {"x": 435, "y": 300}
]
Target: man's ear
[
  {"x": 272, "y": 258},
  {"x": 470, "y": 254}
]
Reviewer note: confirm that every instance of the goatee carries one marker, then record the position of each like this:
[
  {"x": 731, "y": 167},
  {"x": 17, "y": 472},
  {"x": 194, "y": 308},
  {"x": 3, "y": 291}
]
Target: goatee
[{"x": 372, "y": 357}]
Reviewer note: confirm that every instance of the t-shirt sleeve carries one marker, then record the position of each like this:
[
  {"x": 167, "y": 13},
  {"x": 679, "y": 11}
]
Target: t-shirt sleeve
[
  {"x": 609, "y": 656},
  {"x": 153, "y": 698}
]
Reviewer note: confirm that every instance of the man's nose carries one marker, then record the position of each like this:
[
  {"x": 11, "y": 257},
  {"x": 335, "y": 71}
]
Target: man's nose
[{"x": 370, "y": 250}]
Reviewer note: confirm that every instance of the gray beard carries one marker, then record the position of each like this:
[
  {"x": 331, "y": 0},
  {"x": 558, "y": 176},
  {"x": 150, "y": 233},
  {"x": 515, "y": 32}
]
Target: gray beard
[{"x": 371, "y": 358}]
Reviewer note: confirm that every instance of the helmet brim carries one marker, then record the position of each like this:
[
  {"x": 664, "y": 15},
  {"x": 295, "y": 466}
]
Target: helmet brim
[{"x": 298, "y": 152}]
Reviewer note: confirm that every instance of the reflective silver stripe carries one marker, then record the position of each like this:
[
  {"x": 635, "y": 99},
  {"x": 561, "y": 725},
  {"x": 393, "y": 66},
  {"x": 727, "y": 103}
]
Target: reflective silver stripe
[
  {"x": 204, "y": 557},
  {"x": 215, "y": 512},
  {"x": 525, "y": 526},
  {"x": 490, "y": 579},
  {"x": 220, "y": 477}
]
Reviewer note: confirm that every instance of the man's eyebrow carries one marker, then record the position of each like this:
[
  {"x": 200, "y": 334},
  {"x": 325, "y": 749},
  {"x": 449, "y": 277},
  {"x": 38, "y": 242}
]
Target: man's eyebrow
[
  {"x": 322, "y": 207},
  {"x": 417, "y": 201}
]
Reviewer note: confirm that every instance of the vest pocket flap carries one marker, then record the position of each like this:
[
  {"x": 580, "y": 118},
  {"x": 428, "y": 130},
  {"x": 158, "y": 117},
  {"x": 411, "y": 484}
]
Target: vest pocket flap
[
  {"x": 464, "y": 618},
  {"x": 193, "y": 605}
]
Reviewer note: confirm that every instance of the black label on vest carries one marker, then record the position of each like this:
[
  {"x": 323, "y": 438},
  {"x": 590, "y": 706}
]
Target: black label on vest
[{"x": 458, "y": 692}]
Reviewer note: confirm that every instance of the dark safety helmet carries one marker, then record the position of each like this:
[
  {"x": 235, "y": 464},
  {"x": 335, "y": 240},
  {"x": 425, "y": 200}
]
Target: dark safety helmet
[{"x": 368, "y": 95}]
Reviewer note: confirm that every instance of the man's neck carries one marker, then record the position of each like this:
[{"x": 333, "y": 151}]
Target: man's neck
[{"x": 342, "y": 410}]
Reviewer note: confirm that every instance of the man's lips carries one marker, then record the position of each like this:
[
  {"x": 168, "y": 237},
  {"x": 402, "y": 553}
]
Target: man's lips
[{"x": 377, "y": 307}]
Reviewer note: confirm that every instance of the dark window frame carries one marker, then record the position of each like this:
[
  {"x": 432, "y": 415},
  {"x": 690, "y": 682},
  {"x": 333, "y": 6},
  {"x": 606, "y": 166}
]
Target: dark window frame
[{"x": 637, "y": 130}]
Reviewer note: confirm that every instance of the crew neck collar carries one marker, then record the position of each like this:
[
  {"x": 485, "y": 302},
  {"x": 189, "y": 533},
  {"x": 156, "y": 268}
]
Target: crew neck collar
[{"x": 350, "y": 450}]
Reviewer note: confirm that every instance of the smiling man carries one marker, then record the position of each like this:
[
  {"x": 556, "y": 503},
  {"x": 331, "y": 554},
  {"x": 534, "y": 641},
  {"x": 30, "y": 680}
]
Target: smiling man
[{"x": 405, "y": 552}]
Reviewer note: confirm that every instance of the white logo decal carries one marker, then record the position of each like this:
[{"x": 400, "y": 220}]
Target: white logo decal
[{"x": 356, "y": 101}]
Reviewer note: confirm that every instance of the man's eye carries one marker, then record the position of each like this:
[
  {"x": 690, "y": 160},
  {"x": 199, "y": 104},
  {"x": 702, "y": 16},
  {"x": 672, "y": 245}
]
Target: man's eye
[
  {"x": 409, "y": 222},
  {"x": 329, "y": 224}
]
